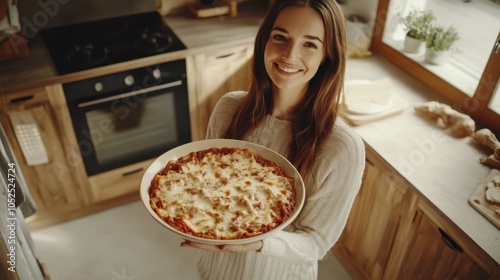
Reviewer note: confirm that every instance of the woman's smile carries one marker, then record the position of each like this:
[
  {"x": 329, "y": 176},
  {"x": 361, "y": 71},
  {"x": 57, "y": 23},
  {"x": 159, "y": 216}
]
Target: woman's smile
[{"x": 287, "y": 69}]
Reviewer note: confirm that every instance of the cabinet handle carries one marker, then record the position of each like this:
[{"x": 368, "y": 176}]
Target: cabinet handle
[
  {"x": 21, "y": 99},
  {"x": 132, "y": 172},
  {"x": 129, "y": 94},
  {"x": 224, "y": 55},
  {"x": 449, "y": 241}
]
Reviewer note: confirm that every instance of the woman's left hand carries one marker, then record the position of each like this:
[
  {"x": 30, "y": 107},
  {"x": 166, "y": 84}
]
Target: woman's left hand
[{"x": 243, "y": 248}]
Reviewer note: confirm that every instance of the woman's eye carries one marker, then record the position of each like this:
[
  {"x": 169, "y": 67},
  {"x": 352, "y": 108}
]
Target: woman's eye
[
  {"x": 278, "y": 37},
  {"x": 310, "y": 45}
]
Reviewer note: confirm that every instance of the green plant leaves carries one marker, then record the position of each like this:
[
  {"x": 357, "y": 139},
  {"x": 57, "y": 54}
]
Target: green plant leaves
[
  {"x": 422, "y": 25},
  {"x": 418, "y": 23},
  {"x": 441, "y": 39}
]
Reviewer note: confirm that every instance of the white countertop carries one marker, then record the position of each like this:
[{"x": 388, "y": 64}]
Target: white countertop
[{"x": 443, "y": 168}]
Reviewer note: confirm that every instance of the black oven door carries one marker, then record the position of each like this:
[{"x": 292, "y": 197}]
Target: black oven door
[{"x": 131, "y": 124}]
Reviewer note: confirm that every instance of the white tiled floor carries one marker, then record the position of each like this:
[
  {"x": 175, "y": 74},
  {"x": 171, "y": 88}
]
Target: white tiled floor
[{"x": 125, "y": 243}]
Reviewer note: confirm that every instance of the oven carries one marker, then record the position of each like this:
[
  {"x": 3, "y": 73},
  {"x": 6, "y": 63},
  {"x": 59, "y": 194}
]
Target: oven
[{"x": 130, "y": 116}]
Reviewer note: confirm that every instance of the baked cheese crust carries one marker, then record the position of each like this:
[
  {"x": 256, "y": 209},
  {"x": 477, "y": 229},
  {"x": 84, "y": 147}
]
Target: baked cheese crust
[{"x": 222, "y": 193}]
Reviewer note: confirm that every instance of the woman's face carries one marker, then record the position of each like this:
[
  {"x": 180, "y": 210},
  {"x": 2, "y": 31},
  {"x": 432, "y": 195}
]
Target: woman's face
[{"x": 295, "y": 48}]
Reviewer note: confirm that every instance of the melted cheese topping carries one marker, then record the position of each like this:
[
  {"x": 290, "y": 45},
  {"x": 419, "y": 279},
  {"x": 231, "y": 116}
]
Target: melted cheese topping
[{"x": 223, "y": 196}]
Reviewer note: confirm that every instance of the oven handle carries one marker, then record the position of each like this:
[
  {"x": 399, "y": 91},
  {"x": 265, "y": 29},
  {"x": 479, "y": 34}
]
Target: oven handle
[{"x": 128, "y": 94}]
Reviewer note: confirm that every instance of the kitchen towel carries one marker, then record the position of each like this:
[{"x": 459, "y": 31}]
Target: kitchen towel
[{"x": 24, "y": 200}]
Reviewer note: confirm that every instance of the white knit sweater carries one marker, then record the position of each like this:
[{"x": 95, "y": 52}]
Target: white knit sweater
[{"x": 330, "y": 191}]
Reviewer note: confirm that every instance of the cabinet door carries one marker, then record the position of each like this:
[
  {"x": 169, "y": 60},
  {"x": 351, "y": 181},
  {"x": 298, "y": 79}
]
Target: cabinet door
[
  {"x": 394, "y": 233},
  {"x": 216, "y": 74},
  {"x": 58, "y": 185},
  {"x": 375, "y": 218},
  {"x": 433, "y": 254},
  {"x": 118, "y": 182}
]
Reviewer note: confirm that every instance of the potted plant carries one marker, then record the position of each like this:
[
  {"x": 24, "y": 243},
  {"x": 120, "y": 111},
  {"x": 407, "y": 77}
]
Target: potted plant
[
  {"x": 417, "y": 25},
  {"x": 439, "y": 43}
]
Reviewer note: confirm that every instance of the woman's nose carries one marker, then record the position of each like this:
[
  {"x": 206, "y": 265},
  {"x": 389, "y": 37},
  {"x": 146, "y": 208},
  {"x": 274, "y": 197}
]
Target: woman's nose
[{"x": 291, "y": 51}]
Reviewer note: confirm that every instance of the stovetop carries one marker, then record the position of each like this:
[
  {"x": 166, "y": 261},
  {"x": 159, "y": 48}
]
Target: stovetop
[{"x": 99, "y": 43}]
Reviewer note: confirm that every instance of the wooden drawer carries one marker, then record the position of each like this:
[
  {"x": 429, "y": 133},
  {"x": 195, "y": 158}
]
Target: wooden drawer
[{"x": 117, "y": 182}]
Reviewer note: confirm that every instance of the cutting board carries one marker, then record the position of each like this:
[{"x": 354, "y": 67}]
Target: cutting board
[
  {"x": 398, "y": 106},
  {"x": 478, "y": 201}
]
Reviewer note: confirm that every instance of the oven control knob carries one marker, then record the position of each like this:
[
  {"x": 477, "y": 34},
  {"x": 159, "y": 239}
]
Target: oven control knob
[
  {"x": 129, "y": 80},
  {"x": 98, "y": 86},
  {"x": 157, "y": 73}
]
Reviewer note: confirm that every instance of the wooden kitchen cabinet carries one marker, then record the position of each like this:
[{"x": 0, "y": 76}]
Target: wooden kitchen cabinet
[
  {"x": 214, "y": 74},
  {"x": 60, "y": 185},
  {"x": 395, "y": 233},
  {"x": 433, "y": 254},
  {"x": 375, "y": 219}
]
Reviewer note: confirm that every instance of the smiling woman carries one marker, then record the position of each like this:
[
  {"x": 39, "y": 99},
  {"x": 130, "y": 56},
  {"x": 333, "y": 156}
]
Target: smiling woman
[{"x": 291, "y": 107}]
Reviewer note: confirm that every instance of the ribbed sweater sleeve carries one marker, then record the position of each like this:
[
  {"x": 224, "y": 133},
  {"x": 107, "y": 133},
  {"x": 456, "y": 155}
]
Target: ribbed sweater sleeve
[{"x": 330, "y": 192}]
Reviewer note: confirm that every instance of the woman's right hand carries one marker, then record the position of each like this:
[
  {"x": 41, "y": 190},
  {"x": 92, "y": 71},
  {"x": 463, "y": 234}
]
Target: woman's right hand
[{"x": 242, "y": 248}]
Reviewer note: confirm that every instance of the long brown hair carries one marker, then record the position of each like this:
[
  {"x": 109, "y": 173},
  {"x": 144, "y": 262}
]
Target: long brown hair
[{"x": 317, "y": 111}]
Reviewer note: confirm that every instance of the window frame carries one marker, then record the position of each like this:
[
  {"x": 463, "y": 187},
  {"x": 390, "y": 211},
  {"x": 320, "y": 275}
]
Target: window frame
[{"x": 475, "y": 106}]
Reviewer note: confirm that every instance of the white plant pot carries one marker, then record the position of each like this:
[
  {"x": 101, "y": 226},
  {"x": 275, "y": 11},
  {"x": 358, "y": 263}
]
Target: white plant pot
[
  {"x": 436, "y": 57},
  {"x": 412, "y": 45}
]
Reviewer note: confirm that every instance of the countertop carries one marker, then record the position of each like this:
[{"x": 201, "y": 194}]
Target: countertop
[{"x": 444, "y": 169}]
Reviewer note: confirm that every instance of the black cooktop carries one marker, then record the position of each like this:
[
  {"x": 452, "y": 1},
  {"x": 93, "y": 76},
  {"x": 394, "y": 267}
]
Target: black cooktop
[{"x": 98, "y": 43}]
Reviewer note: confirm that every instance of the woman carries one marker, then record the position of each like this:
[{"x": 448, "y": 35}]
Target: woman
[{"x": 291, "y": 107}]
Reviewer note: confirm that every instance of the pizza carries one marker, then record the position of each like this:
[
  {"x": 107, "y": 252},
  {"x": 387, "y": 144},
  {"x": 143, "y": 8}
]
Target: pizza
[{"x": 222, "y": 193}]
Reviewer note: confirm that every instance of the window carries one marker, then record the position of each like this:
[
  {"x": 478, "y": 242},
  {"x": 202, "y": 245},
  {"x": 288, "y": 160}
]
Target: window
[{"x": 470, "y": 78}]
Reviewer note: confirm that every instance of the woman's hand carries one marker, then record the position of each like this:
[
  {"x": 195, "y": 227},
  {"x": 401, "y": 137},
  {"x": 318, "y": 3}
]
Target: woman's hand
[{"x": 243, "y": 248}]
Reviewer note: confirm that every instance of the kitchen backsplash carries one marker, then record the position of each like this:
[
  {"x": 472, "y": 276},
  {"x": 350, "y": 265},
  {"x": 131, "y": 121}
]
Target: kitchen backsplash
[
  {"x": 36, "y": 15},
  {"x": 166, "y": 7},
  {"x": 51, "y": 13}
]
